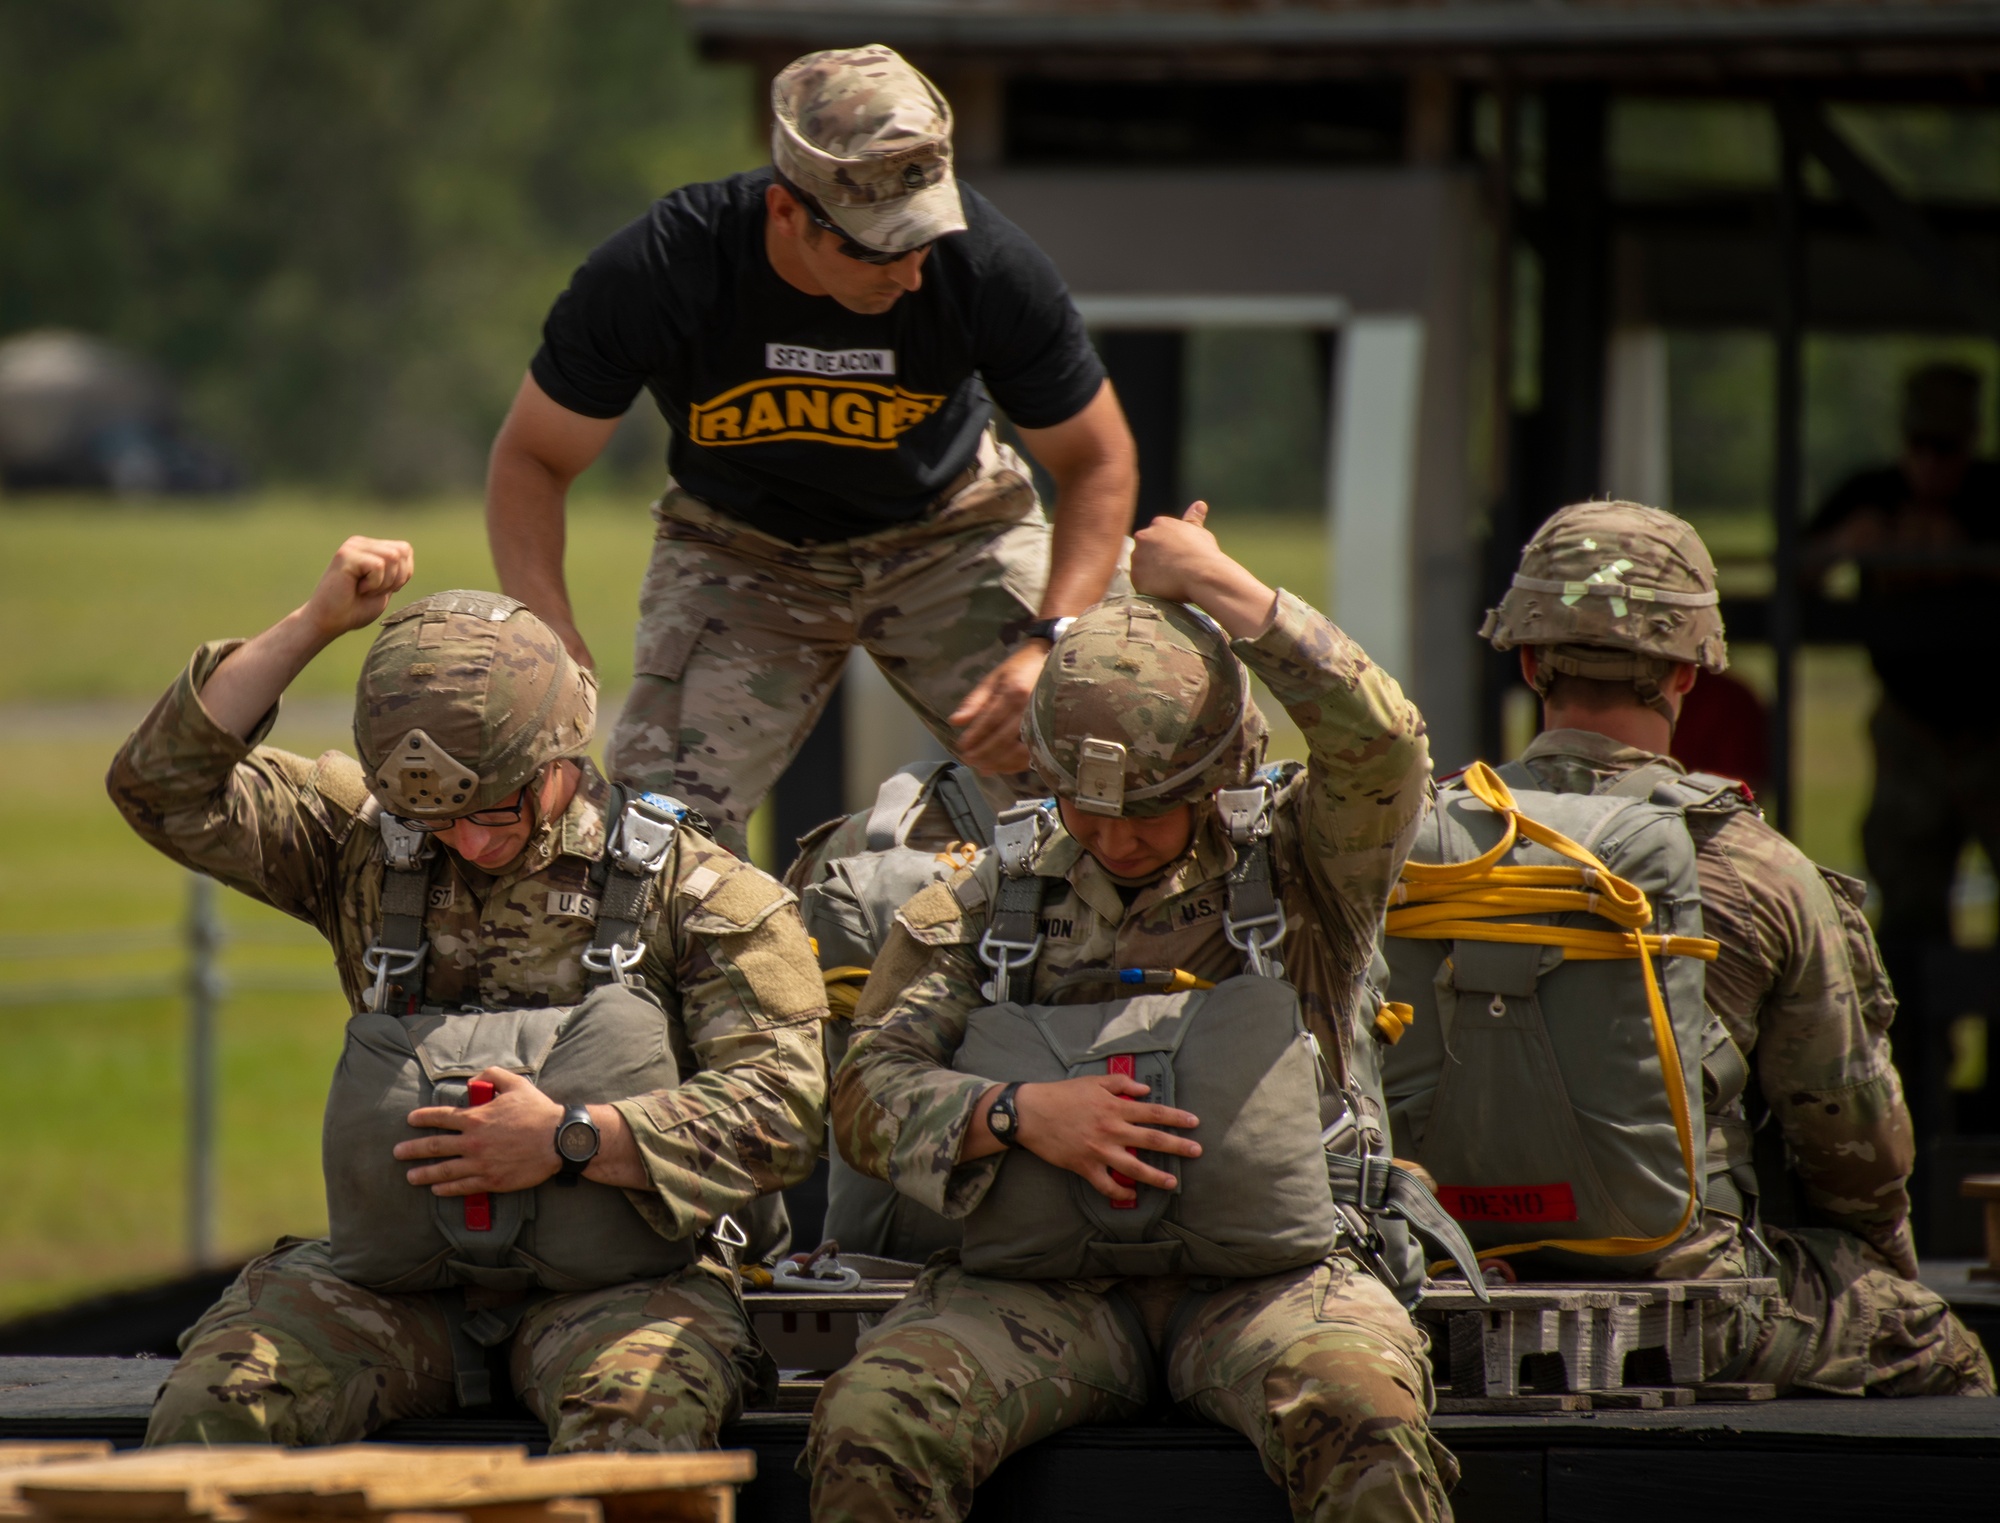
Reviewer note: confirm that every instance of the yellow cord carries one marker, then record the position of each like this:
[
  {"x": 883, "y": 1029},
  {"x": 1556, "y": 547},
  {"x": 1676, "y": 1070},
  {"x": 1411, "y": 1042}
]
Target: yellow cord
[
  {"x": 843, "y": 990},
  {"x": 1393, "y": 1019},
  {"x": 1457, "y": 901}
]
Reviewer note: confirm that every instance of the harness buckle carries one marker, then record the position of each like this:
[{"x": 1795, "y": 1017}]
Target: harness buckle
[
  {"x": 1248, "y": 937},
  {"x": 1018, "y": 836},
  {"x": 387, "y": 963},
  {"x": 998, "y": 954},
  {"x": 646, "y": 829},
  {"x": 402, "y": 847},
  {"x": 1245, "y": 812},
  {"x": 615, "y": 962}
]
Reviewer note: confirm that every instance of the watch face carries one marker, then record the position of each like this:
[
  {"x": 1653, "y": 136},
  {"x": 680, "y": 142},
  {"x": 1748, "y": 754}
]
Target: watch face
[
  {"x": 577, "y": 1141},
  {"x": 1001, "y": 1121}
]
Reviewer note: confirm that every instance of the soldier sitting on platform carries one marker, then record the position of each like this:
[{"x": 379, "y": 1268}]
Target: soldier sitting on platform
[
  {"x": 589, "y": 1034},
  {"x": 1214, "y": 1265},
  {"x": 1580, "y": 1096}
]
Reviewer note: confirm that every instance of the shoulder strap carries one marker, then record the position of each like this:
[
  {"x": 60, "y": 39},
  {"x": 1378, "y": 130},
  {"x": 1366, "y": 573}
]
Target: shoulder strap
[
  {"x": 641, "y": 836},
  {"x": 898, "y": 802},
  {"x": 1252, "y": 919},
  {"x": 971, "y": 816},
  {"x": 1013, "y": 938},
  {"x": 399, "y": 948}
]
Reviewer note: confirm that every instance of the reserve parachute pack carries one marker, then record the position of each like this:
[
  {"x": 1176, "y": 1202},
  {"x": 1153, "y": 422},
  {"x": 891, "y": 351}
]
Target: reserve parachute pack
[
  {"x": 1278, "y": 1185},
  {"x": 565, "y": 1234},
  {"x": 1562, "y": 1077},
  {"x": 849, "y": 905}
]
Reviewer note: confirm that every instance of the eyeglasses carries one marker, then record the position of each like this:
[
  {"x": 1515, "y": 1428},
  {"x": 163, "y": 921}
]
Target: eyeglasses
[
  {"x": 816, "y": 214},
  {"x": 498, "y": 815}
]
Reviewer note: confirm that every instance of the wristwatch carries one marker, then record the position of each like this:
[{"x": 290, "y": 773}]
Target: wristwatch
[
  {"x": 1002, "y": 1119},
  {"x": 1050, "y": 630},
  {"x": 577, "y": 1142}
]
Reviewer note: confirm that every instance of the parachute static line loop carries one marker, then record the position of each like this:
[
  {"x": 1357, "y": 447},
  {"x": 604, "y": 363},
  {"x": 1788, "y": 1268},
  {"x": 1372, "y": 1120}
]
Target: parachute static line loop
[{"x": 1464, "y": 901}]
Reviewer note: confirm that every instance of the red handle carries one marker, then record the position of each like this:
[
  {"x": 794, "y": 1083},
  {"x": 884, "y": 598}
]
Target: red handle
[
  {"x": 1122, "y": 1064},
  {"x": 478, "y": 1208}
]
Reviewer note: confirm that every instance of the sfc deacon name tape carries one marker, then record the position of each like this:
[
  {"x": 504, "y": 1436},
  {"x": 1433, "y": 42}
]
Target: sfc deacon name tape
[{"x": 829, "y": 361}]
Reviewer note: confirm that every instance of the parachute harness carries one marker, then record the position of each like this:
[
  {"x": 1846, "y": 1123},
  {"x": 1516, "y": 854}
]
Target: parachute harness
[{"x": 1465, "y": 901}]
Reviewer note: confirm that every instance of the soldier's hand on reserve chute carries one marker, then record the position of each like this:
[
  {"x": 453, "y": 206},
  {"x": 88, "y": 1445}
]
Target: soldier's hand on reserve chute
[
  {"x": 356, "y": 588},
  {"x": 1091, "y": 1126},
  {"x": 509, "y": 1143}
]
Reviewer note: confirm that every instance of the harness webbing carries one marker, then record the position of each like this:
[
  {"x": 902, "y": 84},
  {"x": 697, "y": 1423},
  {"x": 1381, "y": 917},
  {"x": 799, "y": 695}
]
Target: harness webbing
[{"x": 1462, "y": 901}]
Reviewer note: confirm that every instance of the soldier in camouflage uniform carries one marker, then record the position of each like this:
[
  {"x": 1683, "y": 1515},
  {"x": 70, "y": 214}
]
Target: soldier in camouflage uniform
[
  {"x": 1321, "y": 1367},
  {"x": 293, "y": 1354},
  {"x": 829, "y": 339},
  {"x": 1614, "y": 612}
]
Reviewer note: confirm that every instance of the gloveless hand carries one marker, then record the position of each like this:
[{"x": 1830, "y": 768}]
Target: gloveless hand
[
  {"x": 509, "y": 1143},
  {"x": 1177, "y": 558},
  {"x": 989, "y": 721},
  {"x": 355, "y": 589},
  {"x": 1091, "y": 1126}
]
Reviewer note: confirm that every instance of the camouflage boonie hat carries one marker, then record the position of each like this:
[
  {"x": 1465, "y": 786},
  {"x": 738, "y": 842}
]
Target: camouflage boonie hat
[
  {"x": 870, "y": 138},
  {"x": 1616, "y": 592},
  {"x": 1140, "y": 708},
  {"x": 463, "y": 697}
]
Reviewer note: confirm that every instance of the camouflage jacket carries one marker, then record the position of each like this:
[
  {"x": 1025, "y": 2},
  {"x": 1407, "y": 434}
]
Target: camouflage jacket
[
  {"x": 1344, "y": 823},
  {"x": 725, "y": 951},
  {"x": 1800, "y": 987}
]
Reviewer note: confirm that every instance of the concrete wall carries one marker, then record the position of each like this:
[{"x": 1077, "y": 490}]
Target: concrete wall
[{"x": 1396, "y": 244}]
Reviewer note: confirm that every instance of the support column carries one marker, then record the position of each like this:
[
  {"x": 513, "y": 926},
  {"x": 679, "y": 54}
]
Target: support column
[
  {"x": 1146, "y": 370},
  {"x": 1575, "y": 300}
]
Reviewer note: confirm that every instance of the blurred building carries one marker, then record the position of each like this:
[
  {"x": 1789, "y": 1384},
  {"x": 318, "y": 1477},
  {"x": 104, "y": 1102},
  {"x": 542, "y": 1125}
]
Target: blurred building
[{"x": 80, "y": 414}]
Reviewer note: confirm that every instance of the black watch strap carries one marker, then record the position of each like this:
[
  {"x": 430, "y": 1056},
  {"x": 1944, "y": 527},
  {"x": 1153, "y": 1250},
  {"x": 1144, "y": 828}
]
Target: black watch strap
[
  {"x": 1003, "y": 1119},
  {"x": 1050, "y": 630},
  {"x": 574, "y": 1160}
]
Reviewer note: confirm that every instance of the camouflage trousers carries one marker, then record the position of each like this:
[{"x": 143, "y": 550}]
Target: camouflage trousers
[
  {"x": 1320, "y": 1368},
  {"x": 293, "y": 1354},
  {"x": 1845, "y": 1324},
  {"x": 742, "y": 636}
]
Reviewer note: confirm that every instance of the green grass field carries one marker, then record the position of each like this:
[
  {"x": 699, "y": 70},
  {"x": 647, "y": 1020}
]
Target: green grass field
[{"x": 104, "y": 604}]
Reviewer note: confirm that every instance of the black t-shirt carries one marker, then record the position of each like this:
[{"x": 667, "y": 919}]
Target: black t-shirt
[
  {"x": 791, "y": 413},
  {"x": 1930, "y": 630}
]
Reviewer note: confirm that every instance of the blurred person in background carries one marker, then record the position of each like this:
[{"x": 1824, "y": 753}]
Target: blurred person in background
[
  {"x": 1924, "y": 534},
  {"x": 829, "y": 338}
]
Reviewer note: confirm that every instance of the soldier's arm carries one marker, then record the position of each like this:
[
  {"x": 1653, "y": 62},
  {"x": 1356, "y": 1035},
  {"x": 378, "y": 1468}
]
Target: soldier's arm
[
  {"x": 749, "y": 1119},
  {"x": 259, "y": 819},
  {"x": 1822, "y": 1037},
  {"x": 1368, "y": 766},
  {"x": 900, "y": 1112},
  {"x": 192, "y": 779}
]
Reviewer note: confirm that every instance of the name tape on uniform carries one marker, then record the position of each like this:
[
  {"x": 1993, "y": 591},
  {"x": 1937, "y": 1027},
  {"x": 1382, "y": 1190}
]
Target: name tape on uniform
[
  {"x": 829, "y": 361},
  {"x": 1509, "y": 1203}
]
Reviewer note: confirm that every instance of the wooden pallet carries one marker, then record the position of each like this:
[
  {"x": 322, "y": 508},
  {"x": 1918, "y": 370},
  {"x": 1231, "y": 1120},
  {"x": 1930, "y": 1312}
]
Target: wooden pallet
[
  {"x": 1623, "y": 1340},
  {"x": 385, "y": 1483}
]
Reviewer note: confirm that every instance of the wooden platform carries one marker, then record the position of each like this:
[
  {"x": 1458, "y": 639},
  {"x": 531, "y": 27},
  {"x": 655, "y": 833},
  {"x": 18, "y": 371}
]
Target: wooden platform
[
  {"x": 1826, "y": 1459},
  {"x": 367, "y": 1483}
]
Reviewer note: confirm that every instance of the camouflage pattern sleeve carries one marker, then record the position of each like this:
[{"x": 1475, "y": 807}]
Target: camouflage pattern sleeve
[
  {"x": 1368, "y": 768},
  {"x": 900, "y": 1112},
  {"x": 259, "y": 819},
  {"x": 750, "y": 1111},
  {"x": 1800, "y": 984}
]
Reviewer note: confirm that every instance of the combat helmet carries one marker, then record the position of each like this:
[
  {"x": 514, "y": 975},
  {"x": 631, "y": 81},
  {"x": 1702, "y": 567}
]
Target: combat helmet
[
  {"x": 1616, "y": 592},
  {"x": 1142, "y": 707},
  {"x": 463, "y": 697}
]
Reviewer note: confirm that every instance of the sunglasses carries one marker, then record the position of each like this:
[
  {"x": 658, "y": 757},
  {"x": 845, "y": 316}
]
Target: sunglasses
[{"x": 816, "y": 214}]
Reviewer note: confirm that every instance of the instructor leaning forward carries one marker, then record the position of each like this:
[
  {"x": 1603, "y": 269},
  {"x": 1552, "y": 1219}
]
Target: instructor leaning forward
[{"x": 829, "y": 338}]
